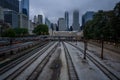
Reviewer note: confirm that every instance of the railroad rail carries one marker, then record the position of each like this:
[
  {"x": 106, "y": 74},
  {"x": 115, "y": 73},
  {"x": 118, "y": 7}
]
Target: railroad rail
[
  {"x": 104, "y": 69},
  {"x": 17, "y": 61},
  {"x": 15, "y": 49},
  {"x": 34, "y": 75},
  {"x": 71, "y": 68},
  {"x": 18, "y": 71}
]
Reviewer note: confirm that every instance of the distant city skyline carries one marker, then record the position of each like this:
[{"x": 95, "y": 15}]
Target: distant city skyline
[{"x": 54, "y": 9}]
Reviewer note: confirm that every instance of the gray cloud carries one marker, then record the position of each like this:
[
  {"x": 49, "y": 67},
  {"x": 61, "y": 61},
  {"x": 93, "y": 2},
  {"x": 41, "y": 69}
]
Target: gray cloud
[{"x": 53, "y": 9}]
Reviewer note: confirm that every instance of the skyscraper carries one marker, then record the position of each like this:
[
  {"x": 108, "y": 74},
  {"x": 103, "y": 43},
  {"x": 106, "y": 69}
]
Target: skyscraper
[
  {"x": 55, "y": 27},
  {"x": 76, "y": 25},
  {"x": 24, "y": 13},
  {"x": 61, "y": 24},
  {"x": 10, "y": 13},
  {"x": 87, "y": 16},
  {"x": 10, "y": 4},
  {"x": 11, "y": 17},
  {"x": 40, "y": 19},
  {"x": 67, "y": 20},
  {"x": 1, "y": 14},
  {"x": 23, "y": 21},
  {"x": 35, "y": 19},
  {"x": 24, "y": 7},
  {"x": 48, "y": 23}
]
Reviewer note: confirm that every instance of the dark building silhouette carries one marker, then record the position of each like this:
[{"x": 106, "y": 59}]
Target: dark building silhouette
[
  {"x": 11, "y": 17},
  {"x": 87, "y": 16},
  {"x": 10, "y": 12},
  {"x": 24, "y": 11},
  {"x": 10, "y": 4}
]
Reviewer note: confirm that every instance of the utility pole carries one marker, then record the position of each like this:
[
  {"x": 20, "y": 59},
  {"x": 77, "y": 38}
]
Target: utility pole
[
  {"x": 0, "y": 31},
  {"x": 76, "y": 40},
  {"x": 85, "y": 48},
  {"x": 102, "y": 46}
]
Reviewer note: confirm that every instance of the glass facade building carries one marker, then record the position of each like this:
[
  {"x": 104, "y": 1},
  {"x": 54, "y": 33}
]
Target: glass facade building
[
  {"x": 61, "y": 24},
  {"x": 76, "y": 25},
  {"x": 40, "y": 19},
  {"x": 87, "y": 16},
  {"x": 10, "y": 4},
  {"x": 25, "y": 7},
  {"x": 11, "y": 17},
  {"x": 67, "y": 20}
]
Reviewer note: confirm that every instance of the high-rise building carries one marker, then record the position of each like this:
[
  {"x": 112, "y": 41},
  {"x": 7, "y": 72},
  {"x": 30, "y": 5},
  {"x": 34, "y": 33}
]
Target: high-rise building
[
  {"x": 40, "y": 19},
  {"x": 76, "y": 25},
  {"x": 48, "y": 23},
  {"x": 55, "y": 27},
  {"x": 32, "y": 25},
  {"x": 24, "y": 14},
  {"x": 24, "y": 4},
  {"x": 61, "y": 24},
  {"x": 35, "y": 19},
  {"x": 11, "y": 9},
  {"x": 23, "y": 21},
  {"x": 11, "y": 17},
  {"x": 1, "y": 14},
  {"x": 87, "y": 16},
  {"x": 67, "y": 20},
  {"x": 1, "y": 19},
  {"x": 10, "y": 4}
]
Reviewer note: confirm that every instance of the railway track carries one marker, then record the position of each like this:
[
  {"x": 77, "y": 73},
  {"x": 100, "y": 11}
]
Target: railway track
[
  {"x": 16, "y": 48},
  {"x": 34, "y": 75},
  {"x": 15, "y": 73},
  {"x": 71, "y": 68},
  {"x": 15, "y": 62},
  {"x": 104, "y": 69}
]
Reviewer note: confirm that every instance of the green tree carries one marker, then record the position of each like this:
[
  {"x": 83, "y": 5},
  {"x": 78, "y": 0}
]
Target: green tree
[
  {"x": 41, "y": 29},
  {"x": 21, "y": 31},
  {"x": 106, "y": 23},
  {"x": 88, "y": 31},
  {"x": 94, "y": 28},
  {"x": 9, "y": 33},
  {"x": 110, "y": 25},
  {"x": 116, "y": 22}
]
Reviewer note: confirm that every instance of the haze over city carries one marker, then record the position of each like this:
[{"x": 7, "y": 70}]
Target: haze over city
[{"x": 53, "y": 9}]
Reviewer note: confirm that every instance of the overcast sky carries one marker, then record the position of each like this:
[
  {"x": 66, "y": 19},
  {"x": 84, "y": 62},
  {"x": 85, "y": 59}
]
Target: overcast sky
[{"x": 53, "y": 9}]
